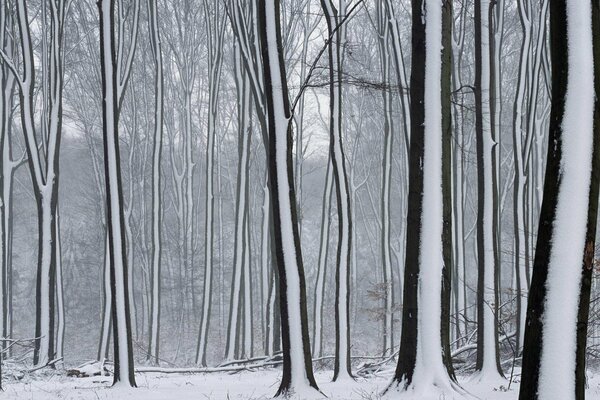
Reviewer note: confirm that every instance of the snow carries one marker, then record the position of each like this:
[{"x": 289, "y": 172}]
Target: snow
[
  {"x": 259, "y": 385},
  {"x": 557, "y": 370}
]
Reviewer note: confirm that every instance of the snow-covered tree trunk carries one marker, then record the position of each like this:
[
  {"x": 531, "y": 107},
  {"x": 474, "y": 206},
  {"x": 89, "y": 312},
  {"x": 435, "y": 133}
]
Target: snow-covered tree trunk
[
  {"x": 247, "y": 349},
  {"x": 60, "y": 294},
  {"x": 322, "y": 263},
  {"x": 44, "y": 164},
  {"x": 155, "y": 273},
  {"x": 214, "y": 30},
  {"x": 488, "y": 362},
  {"x": 557, "y": 314},
  {"x": 265, "y": 265},
  {"x": 241, "y": 214},
  {"x": 458, "y": 175},
  {"x": 297, "y": 376},
  {"x": 520, "y": 259},
  {"x": 121, "y": 321},
  {"x": 105, "y": 327},
  {"x": 398, "y": 55},
  {"x": 342, "y": 366},
  {"x": 383, "y": 28},
  {"x": 421, "y": 364},
  {"x": 132, "y": 129},
  {"x": 496, "y": 37},
  {"x": 6, "y": 99}
]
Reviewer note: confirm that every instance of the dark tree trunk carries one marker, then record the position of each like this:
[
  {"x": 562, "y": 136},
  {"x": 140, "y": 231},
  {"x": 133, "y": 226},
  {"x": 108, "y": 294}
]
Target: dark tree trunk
[
  {"x": 282, "y": 204},
  {"x": 538, "y": 293},
  {"x": 408, "y": 338},
  {"x": 483, "y": 259},
  {"x": 447, "y": 184},
  {"x": 115, "y": 224},
  {"x": 590, "y": 239}
]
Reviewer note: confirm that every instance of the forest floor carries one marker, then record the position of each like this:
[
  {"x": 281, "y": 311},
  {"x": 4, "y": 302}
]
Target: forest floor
[{"x": 224, "y": 386}]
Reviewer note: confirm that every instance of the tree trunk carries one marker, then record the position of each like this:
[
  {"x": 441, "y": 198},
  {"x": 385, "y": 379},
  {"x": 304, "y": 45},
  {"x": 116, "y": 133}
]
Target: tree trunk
[
  {"x": 342, "y": 366},
  {"x": 488, "y": 363},
  {"x": 322, "y": 263},
  {"x": 297, "y": 367},
  {"x": 155, "y": 273},
  {"x": 121, "y": 320},
  {"x": 423, "y": 361},
  {"x": 559, "y": 295}
]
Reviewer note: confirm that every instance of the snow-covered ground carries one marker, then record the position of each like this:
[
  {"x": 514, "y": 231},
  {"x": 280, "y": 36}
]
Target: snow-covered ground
[{"x": 223, "y": 386}]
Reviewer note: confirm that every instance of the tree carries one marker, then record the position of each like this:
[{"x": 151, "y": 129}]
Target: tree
[
  {"x": 342, "y": 367},
  {"x": 558, "y": 304},
  {"x": 112, "y": 89},
  {"x": 43, "y": 166},
  {"x": 422, "y": 364},
  {"x": 488, "y": 362},
  {"x": 297, "y": 367},
  {"x": 322, "y": 263},
  {"x": 238, "y": 304},
  {"x": 7, "y": 165},
  {"x": 215, "y": 28},
  {"x": 155, "y": 277},
  {"x": 383, "y": 28}
]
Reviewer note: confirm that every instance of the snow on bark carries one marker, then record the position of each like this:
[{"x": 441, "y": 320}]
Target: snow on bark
[
  {"x": 429, "y": 368},
  {"x": 155, "y": 275},
  {"x": 388, "y": 136},
  {"x": 487, "y": 361},
  {"x": 6, "y": 93},
  {"x": 122, "y": 337},
  {"x": 430, "y": 378},
  {"x": 60, "y": 297},
  {"x": 215, "y": 35},
  {"x": 563, "y": 284},
  {"x": 265, "y": 266},
  {"x": 342, "y": 368},
  {"x": 44, "y": 174},
  {"x": 520, "y": 259},
  {"x": 322, "y": 263},
  {"x": 300, "y": 381},
  {"x": 106, "y": 304}
]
